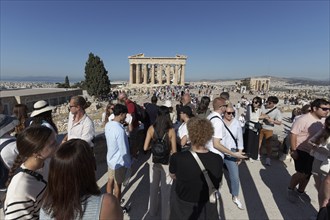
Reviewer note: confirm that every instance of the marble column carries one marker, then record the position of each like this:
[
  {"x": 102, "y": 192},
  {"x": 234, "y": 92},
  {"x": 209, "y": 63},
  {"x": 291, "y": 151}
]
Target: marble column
[
  {"x": 144, "y": 69},
  {"x": 138, "y": 77},
  {"x": 159, "y": 71},
  {"x": 182, "y": 74},
  {"x": 152, "y": 74},
  {"x": 168, "y": 82},
  {"x": 175, "y": 78},
  {"x": 131, "y": 74}
]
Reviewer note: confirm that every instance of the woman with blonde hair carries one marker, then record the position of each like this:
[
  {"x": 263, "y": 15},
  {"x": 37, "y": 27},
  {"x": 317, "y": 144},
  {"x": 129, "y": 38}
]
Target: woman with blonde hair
[{"x": 233, "y": 140}]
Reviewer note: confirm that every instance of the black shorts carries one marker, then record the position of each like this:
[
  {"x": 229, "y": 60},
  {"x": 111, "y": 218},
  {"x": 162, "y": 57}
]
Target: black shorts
[{"x": 304, "y": 163}]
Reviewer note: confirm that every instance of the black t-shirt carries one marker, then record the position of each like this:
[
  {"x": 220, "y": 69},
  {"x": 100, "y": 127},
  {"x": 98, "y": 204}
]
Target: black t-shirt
[
  {"x": 152, "y": 111},
  {"x": 191, "y": 185}
]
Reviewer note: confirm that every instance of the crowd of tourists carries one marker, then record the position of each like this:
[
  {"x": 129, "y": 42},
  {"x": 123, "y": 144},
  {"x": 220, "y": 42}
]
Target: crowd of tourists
[{"x": 191, "y": 145}]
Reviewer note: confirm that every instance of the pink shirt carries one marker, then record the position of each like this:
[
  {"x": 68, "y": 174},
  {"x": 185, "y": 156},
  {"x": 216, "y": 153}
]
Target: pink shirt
[{"x": 305, "y": 127}]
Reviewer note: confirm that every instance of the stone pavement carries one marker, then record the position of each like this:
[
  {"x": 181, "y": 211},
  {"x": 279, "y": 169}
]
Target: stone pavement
[{"x": 263, "y": 192}]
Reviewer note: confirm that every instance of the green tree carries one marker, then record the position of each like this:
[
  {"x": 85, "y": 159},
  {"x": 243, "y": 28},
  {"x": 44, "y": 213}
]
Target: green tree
[
  {"x": 97, "y": 81},
  {"x": 66, "y": 82}
]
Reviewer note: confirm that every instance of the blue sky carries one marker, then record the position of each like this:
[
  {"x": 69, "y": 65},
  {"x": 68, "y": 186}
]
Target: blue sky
[{"x": 222, "y": 39}]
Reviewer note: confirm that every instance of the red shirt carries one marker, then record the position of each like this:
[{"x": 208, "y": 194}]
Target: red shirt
[{"x": 131, "y": 110}]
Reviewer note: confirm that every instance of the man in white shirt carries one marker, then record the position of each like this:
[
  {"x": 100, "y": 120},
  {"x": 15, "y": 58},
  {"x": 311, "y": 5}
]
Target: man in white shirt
[
  {"x": 215, "y": 145},
  {"x": 80, "y": 125},
  {"x": 118, "y": 155},
  {"x": 185, "y": 115}
]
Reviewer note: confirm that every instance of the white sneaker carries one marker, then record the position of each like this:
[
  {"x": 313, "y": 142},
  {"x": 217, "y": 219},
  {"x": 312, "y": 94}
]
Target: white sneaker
[
  {"x": 268, "y": 161},
  {"x": 238, "y": 203},
  {"x": 258, "y": 157}
]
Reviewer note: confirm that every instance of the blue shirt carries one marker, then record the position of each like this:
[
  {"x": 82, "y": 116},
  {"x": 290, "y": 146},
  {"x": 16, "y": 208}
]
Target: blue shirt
[{"x": 118, "y": 148}]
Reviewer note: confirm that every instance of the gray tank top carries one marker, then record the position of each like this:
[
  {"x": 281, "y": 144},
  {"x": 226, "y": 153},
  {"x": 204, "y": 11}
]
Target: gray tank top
[{"x": 91, "y": 208}]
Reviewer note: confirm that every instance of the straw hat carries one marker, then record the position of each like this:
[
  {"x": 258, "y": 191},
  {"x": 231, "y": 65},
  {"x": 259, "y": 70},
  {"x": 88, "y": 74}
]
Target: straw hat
[
  {"x": 7, "y": 124},
  {"x": 40, "y": 107}
]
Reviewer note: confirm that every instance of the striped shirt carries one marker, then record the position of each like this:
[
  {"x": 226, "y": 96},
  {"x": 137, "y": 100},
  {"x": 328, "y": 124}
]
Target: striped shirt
[{"x": 24, "y": 194}]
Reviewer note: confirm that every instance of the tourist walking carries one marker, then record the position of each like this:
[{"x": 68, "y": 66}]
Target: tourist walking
[
  {"x": 233, "y": 140},
  {"x": 79, "y": 197},
  {"x": 151, "y": 110},
  {"x": 160, "y": 180},
  {"x": 252, "y": 128},
  {"x": 302, "y": 129},
  {"x": 271, "y": 116},
  {"x": 191, "y": 197},
  {"x": 134, "y": 134},
  {"x": 118, "y": 155},
  {"x": 203, "y": 109},
  {"x": 106, "y": 114},
  {"x": 28, "y": 175},
  {"x": 184, "y": 142},
  {"x": 80, "y": 125}
]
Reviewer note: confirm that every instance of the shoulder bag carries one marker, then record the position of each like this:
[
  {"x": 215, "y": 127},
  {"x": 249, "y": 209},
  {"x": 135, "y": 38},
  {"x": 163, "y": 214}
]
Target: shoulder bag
[{"x": 214, "y": 194}]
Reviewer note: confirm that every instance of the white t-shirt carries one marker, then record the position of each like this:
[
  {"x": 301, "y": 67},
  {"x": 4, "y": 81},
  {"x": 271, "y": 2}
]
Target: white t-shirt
[
  {"x": 183, "y": 131},
  {"x": 219, "y": 131},
  {"x": 128, "y": 120}
]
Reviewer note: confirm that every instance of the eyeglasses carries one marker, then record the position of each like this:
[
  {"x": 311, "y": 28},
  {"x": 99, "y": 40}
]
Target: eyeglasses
[
  {"x": 229, "y": 113},
  {"x": 325, "y": 109},
  {"x": 71, "y": 106}
]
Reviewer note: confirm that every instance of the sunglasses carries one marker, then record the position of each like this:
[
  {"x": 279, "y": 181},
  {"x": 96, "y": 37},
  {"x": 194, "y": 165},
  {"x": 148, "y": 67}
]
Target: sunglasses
[
  {"x": 325, "y": 109},
  {"x": 229, "y": 113}
]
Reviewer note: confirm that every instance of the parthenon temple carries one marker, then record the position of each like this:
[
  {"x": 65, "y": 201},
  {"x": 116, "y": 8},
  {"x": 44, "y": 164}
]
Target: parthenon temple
[{"x": 156, "y": 70}]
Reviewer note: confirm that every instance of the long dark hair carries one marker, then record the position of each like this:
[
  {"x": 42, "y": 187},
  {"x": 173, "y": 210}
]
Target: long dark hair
[
  {"x": 203, "y": 105},
  {"x": 44, "y": 117},
  {"x": 163, "y": 121},
  {"x": 31, "y": 140},
  {"x": 71, "y": 179},
  {"x": 258, "y": 99}
]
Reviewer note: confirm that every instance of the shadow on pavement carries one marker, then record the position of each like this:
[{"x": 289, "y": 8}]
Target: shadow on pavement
[
  {"x": 253, "y": 203},
  {"x": 278, "y": 187}
]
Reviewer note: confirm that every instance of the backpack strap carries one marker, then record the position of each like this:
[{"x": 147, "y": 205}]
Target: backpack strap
[
  {"x": 270, "y": 111},
  {"x": 231, "y": 134},
  {"x": 157, "y": 136},
  {"x": 5, "y": 143}
]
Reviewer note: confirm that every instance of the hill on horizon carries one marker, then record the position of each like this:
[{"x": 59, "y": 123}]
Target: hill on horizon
[{"x": 55, "y": 79}]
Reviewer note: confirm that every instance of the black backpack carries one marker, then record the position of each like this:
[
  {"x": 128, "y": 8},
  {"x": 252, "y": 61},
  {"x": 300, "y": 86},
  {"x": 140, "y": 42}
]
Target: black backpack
[
  {"x": 140, "y": 113},
  {"x": 160, "y": 150}
]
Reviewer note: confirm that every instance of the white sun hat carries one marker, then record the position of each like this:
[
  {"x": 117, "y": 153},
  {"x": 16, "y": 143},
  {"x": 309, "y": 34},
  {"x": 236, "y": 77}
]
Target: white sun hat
[
  {"x": 40, "y": 107},
  {"x": 168, "y": 103},
  {"x": 7, "y": 124}
]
